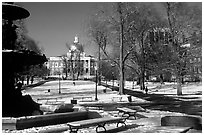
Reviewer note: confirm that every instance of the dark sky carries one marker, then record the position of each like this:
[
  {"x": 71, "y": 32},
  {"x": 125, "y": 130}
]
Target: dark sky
[{"x": 53, "y": 24}]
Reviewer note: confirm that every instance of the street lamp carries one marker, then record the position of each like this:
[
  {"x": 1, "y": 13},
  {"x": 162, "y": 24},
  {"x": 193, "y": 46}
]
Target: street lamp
[
  {"x": 113, "y": 78},
  {"x": 73, "y": 48},
  {"x": 112, "y": 65},
  {"x": 59, "y": 84},
  {"x": 96, "y": 83},
  {"x": 133, "y": 80}
]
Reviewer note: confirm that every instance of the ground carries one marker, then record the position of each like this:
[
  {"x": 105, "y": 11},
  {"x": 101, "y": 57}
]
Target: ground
[{"x": 160, "y": 101}]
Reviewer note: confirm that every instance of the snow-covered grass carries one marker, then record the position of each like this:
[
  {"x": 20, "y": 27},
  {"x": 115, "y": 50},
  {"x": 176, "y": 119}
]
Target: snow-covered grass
[{"x": 87, "y": 88}]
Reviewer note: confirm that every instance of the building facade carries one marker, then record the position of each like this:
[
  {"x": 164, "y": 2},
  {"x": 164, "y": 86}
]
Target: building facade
[
  {"x": 74, "y": 65},
  {"x": 57, "y": 66}
]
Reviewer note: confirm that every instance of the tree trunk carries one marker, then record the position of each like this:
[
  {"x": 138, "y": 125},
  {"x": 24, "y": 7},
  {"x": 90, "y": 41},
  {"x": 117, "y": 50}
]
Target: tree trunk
[
  {"x": 179, "y": 87},
  {"x": 142, "y": 84},
  {"x": 66, "y": 74},
  {"x": 78, "y": 66},
  {"x": 28, "y": 78},
  {"x": 143, "y": 63},
  {"x": 133, "y": 83},
  {"x": 143, "y": 80},
  {"x": 121, "y": 88},
  {"x": 72, "y": 67}
]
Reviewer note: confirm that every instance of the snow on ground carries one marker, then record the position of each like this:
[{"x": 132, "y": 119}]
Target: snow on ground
[{"x": 86, "y": 88}]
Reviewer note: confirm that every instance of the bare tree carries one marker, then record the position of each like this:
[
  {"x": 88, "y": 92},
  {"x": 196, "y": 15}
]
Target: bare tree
[
  {"x": 124, "y": 29},
  {"x": 140, "y": 19},
  {"x": 74, "y": 59},
  {"x": 66, "y": 65},
  {"x": 183, "y": 22}
]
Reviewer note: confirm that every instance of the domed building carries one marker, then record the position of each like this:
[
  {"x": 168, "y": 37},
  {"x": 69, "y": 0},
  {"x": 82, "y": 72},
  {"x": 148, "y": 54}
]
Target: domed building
[{"x": 75, "y": 65}]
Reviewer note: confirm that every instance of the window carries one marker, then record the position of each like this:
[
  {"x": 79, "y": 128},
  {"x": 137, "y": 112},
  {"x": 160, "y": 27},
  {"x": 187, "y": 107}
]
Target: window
[
  {"x": 191, "y": 61},
  {"x": 156, "y": 36},
  {"x": 161, "y": 35},
  {"x": 56, "y": 64},
  {"x": 87, "y": 63},
  {"x": 199, "y": 70},
  {"x": 53, "y": 64},
  {"x": 194, "y": 69},
  {"x": 195, "y": 59},
  {"x": 151, "y": 37},
  {"x": 82, "y": 71},
  {"x": 87, "y": 70},
  {"x": 61, "y": 64},
  {"x": 198, "y": 59}
]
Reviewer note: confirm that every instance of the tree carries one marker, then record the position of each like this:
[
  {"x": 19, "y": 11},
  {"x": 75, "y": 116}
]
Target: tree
[
  {"x": 66, "y": 65},
  {"x": 157, "y": 52},
  {"x": 75, "y": 50},
  {"x": 108, "y": 71},
  {"x": 24, "y": 42},
  {"x": 141, "y": 19},
  {"x": 124, "y": 29},
  {"x": 107, "y": 30},
  {"x": 183, "y": 21}
]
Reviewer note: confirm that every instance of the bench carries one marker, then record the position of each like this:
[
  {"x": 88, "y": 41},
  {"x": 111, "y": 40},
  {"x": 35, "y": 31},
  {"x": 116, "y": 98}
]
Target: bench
[
  {"x": 98, "y": 122},
  {"x": 117, "y": 98},
  {"x": 48, "y": 99},
  {"x": 52, "y": 101},
  {"x": 83, "y": 98},
  {"x": 128, "y": 111},
  {"x": 98, "y": 106}
]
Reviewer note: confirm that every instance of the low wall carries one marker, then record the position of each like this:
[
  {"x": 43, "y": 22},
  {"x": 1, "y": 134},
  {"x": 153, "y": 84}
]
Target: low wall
[
  {"x": 42, "y": 120},
  {"x": 185, "y": 121}
]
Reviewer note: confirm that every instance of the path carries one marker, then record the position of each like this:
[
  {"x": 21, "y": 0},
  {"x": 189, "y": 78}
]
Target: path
[{"x": 166, "y": 102}]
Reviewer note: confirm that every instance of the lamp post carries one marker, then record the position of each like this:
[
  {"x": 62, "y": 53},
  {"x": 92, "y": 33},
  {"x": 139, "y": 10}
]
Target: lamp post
[
  {"x": 112, "y": 65},
  {"x": 59, "y": 84},
  {"x": 133, "y": 80},
  {"x": 113, "y": 78},
  {"x": 96, "y": 98},
  {"x": 73, "y": 48}
]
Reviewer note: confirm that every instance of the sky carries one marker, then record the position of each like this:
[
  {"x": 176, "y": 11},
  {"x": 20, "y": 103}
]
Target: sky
[{"x": 53, "y": 24}]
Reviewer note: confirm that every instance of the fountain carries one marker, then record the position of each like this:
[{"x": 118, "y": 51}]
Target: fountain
[{"x": 15, "y": 60}]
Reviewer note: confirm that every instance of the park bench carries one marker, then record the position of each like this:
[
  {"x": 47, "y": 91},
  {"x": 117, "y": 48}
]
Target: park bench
[
  {"x": 83, "y": 98},
  {"x": 128, "y": 111},
  {"x": 98, "y": 106},
  {"x": 117, "y": 98},
  {"x": 53, "y": 100},
  {"x": 98, "y": 122},
  {"x": 47, "y": 99}
]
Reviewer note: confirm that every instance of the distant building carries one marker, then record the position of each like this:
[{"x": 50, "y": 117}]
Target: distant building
[
  {"x": 57, "y": 66},
  {"x": 75, "y": 63}
]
